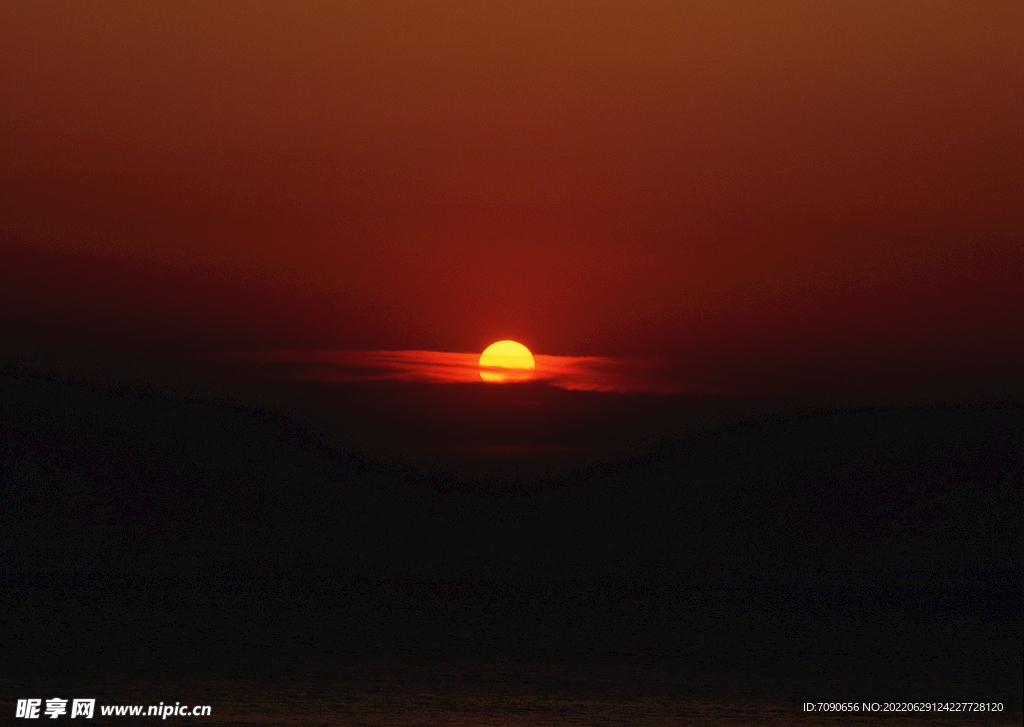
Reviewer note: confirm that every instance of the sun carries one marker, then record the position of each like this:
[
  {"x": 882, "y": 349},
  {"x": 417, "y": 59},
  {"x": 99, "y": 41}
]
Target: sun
[{"x": 506, "y": 361}]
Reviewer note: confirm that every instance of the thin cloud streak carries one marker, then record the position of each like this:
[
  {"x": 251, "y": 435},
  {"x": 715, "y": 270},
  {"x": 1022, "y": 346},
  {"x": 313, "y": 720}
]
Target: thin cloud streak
[{"x": 574, "y": 373}]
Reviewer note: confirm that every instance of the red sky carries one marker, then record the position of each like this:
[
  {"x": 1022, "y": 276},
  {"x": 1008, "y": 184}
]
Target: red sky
[{"x": 763, "y": 190}]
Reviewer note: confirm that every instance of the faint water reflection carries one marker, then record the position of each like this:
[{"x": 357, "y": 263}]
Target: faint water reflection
[{"x": 473, "y": 695}]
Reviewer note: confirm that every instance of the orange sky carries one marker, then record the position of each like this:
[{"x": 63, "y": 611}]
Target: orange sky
[{"x": 764, "y": 190}]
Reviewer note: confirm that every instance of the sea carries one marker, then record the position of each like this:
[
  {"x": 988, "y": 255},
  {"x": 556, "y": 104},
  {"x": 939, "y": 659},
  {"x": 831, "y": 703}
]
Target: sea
[{"x": 322, "y": 651}]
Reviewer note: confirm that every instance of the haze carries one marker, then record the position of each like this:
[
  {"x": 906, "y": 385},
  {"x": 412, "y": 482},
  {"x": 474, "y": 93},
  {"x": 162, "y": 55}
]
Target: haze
[{"x": 769, "y": 192}]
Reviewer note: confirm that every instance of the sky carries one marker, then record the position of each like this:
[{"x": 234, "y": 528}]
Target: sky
[{"x": 769, "y": 193}]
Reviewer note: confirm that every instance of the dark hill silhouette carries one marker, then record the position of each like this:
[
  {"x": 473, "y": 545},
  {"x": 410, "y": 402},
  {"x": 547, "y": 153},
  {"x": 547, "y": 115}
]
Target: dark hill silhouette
[
  {"x": 144, "y": 532},
  {"x": 107, "y": 478}
]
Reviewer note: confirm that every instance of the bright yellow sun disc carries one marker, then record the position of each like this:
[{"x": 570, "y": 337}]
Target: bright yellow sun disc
[{"x": 506, "y": 361}]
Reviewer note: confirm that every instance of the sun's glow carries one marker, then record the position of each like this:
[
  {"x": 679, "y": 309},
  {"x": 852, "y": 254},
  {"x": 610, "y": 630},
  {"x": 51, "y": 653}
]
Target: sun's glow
[
  {"x": 506, "y": 361},
  {"x": 573, "y": 373}
]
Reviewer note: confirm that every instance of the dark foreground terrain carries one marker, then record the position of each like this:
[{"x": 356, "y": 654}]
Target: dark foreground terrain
[{"x": 854, "y": 554}]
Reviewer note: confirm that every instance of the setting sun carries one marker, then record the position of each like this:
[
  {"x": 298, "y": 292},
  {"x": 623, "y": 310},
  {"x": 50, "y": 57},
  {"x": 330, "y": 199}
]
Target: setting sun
[{"x": 506, "y": 361}]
